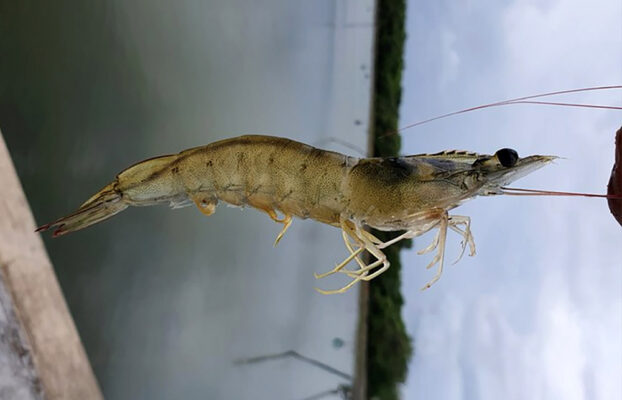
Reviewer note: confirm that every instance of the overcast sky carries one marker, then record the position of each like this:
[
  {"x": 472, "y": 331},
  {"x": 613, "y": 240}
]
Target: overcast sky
[{"x": 537, "y": 313}]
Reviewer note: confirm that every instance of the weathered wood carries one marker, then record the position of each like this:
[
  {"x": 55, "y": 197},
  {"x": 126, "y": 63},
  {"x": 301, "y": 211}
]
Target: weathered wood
[
  {"x": 41, "y": 355},
  {"x": 18, "y": 378}
]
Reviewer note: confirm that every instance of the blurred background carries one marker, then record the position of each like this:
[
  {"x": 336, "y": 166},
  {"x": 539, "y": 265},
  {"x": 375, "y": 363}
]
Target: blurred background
[{"x": 165, "y": 301}]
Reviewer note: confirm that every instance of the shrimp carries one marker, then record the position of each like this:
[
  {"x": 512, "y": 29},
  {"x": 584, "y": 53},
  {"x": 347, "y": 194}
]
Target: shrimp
[{"x": 413, "y": 194}]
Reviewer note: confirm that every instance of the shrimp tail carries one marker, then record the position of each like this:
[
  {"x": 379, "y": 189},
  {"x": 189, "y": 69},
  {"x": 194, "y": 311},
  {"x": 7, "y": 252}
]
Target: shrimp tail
[
  {"x": 149, "y": 182},
  {"x": 101, "y": 206}
]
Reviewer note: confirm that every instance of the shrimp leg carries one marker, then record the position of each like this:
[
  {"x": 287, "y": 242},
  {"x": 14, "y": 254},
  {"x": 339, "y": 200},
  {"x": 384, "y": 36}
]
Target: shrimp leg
[
  {"x": 439, "y": 242},
  {"x": 348, "y": 244},
  {"x": 286, "y": 221},
  {"x": 348, "y": 232},
  {"x": 366, "y": 242},
  {"x": 339, "y": 266},
  {"x": 431, "y": 246},
  {"x": 374, "y": 246},
  {"x": 205, "y": 205},
  {"x": 353, "y": 253},
  {"x": 378, "y": 246},
  {"x": 376, "y": 251},
  {"x": 467, "y": 236},
  {"x": 381, "y": 258}
]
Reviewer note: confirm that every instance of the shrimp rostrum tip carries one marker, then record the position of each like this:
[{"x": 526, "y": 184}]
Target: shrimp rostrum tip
[{"x": 287, "y": 179}]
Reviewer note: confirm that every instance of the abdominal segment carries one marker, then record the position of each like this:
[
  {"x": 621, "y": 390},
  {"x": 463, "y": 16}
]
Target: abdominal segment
[{"x": 267, "y": 173}]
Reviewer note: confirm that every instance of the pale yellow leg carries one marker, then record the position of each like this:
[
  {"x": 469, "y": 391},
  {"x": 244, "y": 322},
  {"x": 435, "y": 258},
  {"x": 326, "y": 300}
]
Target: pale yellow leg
[
  {"x": 372, "y": 238},
  {"x": 346, "y": 240},
  {"x": 432, "y": 245},
  {"x": 346, "y": 231},
  {"x": 384, "y": 245},
  {"x": 350, "y": 273},
  {"x": 375, "y": 250},
  {"x": 286, "y": 221},
  {"x": 381, "y": 258},
  {"x": 362, "y": 273},
  {"x": 467, "y": 236},
  {"x": 341, "y": 290},
  {"x": 363, "y": 270},
  {"x": 366, "y": 240},
  {"x": 440, "y": 254},
  {"x": 339, "y": 266}
]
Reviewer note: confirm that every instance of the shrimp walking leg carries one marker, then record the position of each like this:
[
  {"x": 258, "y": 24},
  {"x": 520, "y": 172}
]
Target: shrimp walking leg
[
  {"x": 380, "y": 256},
  {"x": 366, "y": 241},
  {"x": 467, "y": 236},
  {"x": 378, "y": 246},
  {"x": 406, "y": 235},
  {"x": 374, "y": 246},
  {"x": 348, "y": 244},
  {"x": 353, "y": 253},
  {"x": 361, "y": 236},
  {"x": 342, "y": 264},
  {"x": 376, "y": 251},
  {"x": 362, "y": 266},
  {"x": 440, "y": 255},
  {"x": 431, "y": 246},
  {"x": 450, "y": 222}
]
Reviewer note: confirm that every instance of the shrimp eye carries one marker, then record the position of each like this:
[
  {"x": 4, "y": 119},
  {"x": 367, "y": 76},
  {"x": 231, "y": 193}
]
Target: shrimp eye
[{"x": 507, "y": 157}]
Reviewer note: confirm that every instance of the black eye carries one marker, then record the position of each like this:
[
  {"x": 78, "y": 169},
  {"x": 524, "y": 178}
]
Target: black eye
[{"x": 507, "y": 157}]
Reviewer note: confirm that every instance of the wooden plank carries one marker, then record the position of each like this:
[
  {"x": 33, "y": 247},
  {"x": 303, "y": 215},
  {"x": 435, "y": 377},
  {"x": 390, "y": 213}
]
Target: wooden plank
[
  {"x": 42, "y": 356},
  {"x": 18, "y": 378}
]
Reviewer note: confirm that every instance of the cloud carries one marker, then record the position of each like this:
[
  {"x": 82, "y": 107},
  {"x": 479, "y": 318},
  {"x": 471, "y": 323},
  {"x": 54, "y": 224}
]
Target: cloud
[{"x": 450, "y": 59}]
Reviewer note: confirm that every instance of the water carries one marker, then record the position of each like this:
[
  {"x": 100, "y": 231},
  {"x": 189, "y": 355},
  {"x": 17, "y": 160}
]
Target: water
[{"x": 165, "y": 300}]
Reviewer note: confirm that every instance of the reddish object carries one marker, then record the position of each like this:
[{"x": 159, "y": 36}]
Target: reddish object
[{"x": 615, "y": 182}]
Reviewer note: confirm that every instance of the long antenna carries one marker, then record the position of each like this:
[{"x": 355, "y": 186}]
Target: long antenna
[
  {"x": 523, "y": 100},
  {"x": 536, "y": 192}
]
